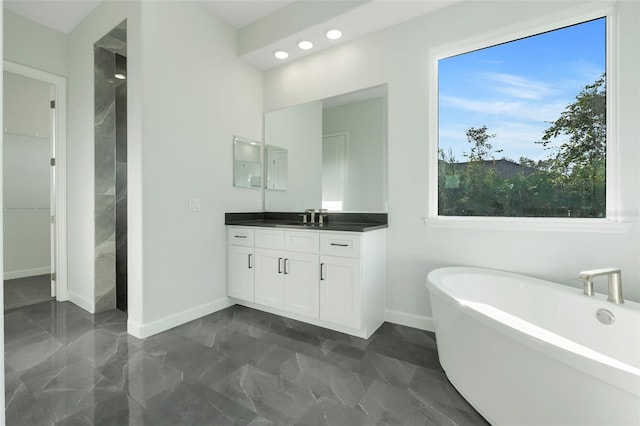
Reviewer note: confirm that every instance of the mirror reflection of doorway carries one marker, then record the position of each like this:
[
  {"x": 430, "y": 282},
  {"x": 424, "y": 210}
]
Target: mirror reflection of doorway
[
  {"x": 334, "y": 171},
  {"x": 277, "y": 168},
  {"x": 29, "y": 255}
]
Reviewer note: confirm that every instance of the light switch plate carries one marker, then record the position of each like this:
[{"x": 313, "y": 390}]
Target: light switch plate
[{"x": 194, "y": 204}]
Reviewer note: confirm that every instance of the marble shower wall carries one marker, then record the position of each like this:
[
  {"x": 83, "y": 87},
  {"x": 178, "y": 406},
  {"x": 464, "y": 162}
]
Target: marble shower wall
[
  {"x": 121, "y": 191},
  {"x": 110, "y": 171},
  {"x": 105, "y": 180}
]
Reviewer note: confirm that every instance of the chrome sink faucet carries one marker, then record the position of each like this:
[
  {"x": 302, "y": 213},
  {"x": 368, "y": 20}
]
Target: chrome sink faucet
[
  {"x": 322, "y": 216},
  {"x": 615, "y": 283},
  {"x": 312, "y": 215}
]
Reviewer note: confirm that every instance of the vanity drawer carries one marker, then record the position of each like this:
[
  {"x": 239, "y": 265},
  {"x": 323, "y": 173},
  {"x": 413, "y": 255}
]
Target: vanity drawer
[
  {"x": 305, "y": 242},
  {"x": 340, "y": 245},
  {"x": 240, "y": 236},
  {"x": 270, "y": 238}
]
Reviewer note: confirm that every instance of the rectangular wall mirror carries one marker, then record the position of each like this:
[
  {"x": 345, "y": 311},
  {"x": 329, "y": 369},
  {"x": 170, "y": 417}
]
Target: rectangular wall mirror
[
  {"x": 247, "y": 163},
  {"x": 336, "y": 153}
]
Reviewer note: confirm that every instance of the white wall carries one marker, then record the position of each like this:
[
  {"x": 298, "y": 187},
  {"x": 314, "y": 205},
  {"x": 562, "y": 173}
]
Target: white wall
[
  {"x": 80, "y": 151},
  {"x": 365, "y": 123},
  {"x": 26, "y": 105},
  {"x": 188, "y": 95},
  {"x": 299, "y": 131},
  {"x": 34, "y": 45},
  {"x": 400, "y": 57},
  {"x": 196, "y": 96},
  {"x": 26, "y": 173}
]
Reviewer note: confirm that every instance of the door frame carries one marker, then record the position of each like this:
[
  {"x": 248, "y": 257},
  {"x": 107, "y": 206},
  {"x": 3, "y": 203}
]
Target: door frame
[{"x": 59, "y": 141}]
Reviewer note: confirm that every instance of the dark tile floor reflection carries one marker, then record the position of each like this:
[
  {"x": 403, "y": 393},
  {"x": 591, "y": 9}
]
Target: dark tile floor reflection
[
  {"x": 238, "y": 366},
  {"x": 27, "y": 291}
]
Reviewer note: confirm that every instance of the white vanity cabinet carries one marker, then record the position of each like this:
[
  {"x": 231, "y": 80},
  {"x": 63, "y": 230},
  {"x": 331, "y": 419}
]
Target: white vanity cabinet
[
  {"x": 288, "y": 281},
  {"x": 270, "y": 283},
  {"x": 240, "y": 263},
  {"x": 340, "y": 293},
  {"x": 352, "y": 279},
  {"x": 287, "y": 270},
  {"x": 332, "y": 279}
]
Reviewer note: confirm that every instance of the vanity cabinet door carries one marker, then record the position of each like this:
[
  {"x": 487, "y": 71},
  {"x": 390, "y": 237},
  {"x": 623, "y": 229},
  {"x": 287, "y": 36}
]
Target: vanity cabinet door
[
  {"x": 340, "y": 290},
  {"x": 301, "y": 280},
  {"x": 240, "y": 268},
  {"x": 269, "y": 272}
]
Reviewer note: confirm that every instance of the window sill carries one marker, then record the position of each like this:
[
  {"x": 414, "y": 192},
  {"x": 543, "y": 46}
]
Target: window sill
[{"x": 528, "y": 224}]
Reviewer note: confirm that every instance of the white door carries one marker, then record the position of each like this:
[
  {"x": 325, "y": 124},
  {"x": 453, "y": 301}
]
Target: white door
[
  {"x": 334, "y": 171},
  {"x": 269, "y": 278},
  {"x": 340, "y": 290},
  {"x": 240, "y": 269},
  {"x": 301, "y": 280}
]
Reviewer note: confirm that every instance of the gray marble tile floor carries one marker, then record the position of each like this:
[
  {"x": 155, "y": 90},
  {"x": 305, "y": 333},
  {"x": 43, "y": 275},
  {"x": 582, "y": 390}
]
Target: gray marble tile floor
[
  {"x": 239, "y": 366},
  {"x": 26, "y": 291}
]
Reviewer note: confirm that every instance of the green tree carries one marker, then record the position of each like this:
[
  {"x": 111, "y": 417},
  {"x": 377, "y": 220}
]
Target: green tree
[
  {"x": 481, "y": 149},
  {"x": 580, "y": 159},
  {"x": 479, "y": 182},
  {"x": 448, "y": 183},
  {"x": 570, "y": 182},
  {"x": 584, "y": 121}
]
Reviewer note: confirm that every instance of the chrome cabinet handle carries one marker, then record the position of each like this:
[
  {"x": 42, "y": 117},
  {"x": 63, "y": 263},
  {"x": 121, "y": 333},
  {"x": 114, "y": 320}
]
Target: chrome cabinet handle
[
  {"x": 286, "y": 266},
  {"x": 249, "y": 260},
  {"x": 340, "y": 245},
  {"x": 279, "y": 265},
  {"x": 240, "y": 236},
  {"x": 321, "y": 270}
]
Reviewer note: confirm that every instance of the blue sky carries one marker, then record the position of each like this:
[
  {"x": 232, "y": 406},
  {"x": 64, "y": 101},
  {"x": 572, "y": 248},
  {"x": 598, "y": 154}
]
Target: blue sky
[{"x": 516, "y": 88}]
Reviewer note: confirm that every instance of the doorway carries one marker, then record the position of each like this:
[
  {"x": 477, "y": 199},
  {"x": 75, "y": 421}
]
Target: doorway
[
  {"x": 33, "y": 137},
  {"x": 334, "y": 170}
]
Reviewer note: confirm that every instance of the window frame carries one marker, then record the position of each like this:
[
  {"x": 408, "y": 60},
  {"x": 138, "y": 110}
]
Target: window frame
[{"x": 615, "y": 221}]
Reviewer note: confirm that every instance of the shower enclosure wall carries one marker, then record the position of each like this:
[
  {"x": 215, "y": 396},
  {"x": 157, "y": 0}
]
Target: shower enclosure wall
[{"x": 111, "y": 171}]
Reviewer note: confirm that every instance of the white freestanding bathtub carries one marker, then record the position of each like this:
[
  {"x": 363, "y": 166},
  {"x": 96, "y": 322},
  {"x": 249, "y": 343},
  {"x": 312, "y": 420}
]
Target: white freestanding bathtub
[{"x": 524, "y": 351}]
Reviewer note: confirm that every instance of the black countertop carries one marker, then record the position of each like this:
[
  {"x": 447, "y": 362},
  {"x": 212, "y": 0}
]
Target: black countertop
[{"x": 348, "y": 222}]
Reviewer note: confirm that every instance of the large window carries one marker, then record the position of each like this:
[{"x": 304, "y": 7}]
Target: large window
[{"x": 522, "y": 127}]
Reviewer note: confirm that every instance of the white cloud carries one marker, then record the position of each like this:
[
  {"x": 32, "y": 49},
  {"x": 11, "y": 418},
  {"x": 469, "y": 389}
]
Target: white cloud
[
  {"x": 477, "y": 105},
  {"x": 535, "y": 111},
  {"x": 519, "y": 87},
  {"x": 515, "y": 108}
]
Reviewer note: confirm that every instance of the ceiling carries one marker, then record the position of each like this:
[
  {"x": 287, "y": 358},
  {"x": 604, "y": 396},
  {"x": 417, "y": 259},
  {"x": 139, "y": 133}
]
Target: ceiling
[
  {"x": 263, "y": 25},
  {"x": 241, "y": 13},
  {"x": 61, "y": 15}
]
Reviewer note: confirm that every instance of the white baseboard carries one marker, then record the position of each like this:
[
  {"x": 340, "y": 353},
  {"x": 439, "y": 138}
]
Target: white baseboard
[
  {"x": 362, "y": 333},
  {"x": 11, "y": 275},
  {"x": 85, "y": 304},
  {"x": 410, "y": 320},
  {"x": 143, "y": 330}
]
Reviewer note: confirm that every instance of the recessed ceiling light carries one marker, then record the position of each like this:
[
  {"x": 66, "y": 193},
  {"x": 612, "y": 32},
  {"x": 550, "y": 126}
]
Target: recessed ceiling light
[
  {"x": 281, "y": 54},
  {"x": 305, "y": 45},
  {"x": 120, "y": 76},
  {"x": 334, "y": 34}
]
